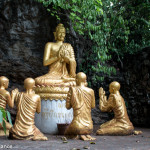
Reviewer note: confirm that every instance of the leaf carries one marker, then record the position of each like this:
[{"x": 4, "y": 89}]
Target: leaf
[
  {"x": 9, "y": 117},
  {"x": 1, "y": 117},
  {"x": 65, "y": 141},
  {"x": 4, "y": 114},
  {"x": 4, "y": 126},
  {"x": 92, "y": 143}
]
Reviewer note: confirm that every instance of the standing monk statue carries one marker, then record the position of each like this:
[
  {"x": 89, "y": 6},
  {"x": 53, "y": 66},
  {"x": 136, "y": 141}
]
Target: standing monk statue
[
  {"x": 120, "y": 124},
  {"x": 81, "y": 99},
  {"x": 5, "y": 98},
  {"x": 60, "y": 58},
  {"x": 27, "y": 104}
]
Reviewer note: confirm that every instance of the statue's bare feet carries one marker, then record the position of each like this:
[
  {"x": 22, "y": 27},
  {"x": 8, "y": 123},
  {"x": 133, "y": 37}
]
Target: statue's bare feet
[
  {"x": 90, "y": 137},
  {"x": 42, "y": 138},
  {"x": 84, "y": 138},
  {"x": 75, "y": 137},
  {"x": 99, "y": 132}
]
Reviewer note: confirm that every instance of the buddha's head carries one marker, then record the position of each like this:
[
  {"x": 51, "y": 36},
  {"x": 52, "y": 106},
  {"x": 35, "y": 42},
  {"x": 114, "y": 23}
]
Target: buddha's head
[
  {"x": 114, "y": 87},
  {"x": 29, "y": 83},
  {"x": 4, "y": 82},
  {"x": 60, "y": 32},
  {"x": 81, "y": 79}
]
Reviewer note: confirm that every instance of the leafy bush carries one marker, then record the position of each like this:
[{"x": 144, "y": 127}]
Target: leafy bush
[
  {"x": 3, "y": 116},
  {"x": 114, "y": 26}
]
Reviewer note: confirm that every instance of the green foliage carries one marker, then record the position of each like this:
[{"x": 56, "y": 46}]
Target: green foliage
[
  {"x": 113, "y": 26},
  {"x": 3, "y": 116}
]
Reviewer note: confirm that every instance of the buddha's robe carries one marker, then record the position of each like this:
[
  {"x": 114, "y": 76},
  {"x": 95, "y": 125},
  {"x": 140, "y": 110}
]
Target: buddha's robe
[
  {"x": 60, "y": 69},
  {"x": 121, "y": 124},
  {"x": 24, "y": 127},
  {"x": 81, "y": 99}
]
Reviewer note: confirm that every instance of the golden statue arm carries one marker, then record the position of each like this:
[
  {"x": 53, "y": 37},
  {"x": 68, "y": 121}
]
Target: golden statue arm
[
  {"x": 38, "y": 109},
  {"x": 10, "y": 101},
  {"x": 47, "y": 60},
  {"x": 93, "y": 100},
  {"x": 68, "y": 100},
  {"x": 14, "y": 95},
  {"x": 104, "y": 104}
]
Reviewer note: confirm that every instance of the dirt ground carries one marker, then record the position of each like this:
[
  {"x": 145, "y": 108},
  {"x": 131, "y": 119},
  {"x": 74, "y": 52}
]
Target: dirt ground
[{"x": 132, "y": 142}]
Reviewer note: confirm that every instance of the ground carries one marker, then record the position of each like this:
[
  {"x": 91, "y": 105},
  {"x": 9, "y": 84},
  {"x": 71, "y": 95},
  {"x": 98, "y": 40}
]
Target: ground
[{"x": 132, "y": 142}]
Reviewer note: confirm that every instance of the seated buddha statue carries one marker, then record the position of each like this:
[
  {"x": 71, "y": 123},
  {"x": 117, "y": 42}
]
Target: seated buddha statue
[
  {"x": 5, "y": 99},
  {"x": 120, "y": 124},
  {"x": 82, "y": 100},
  {"x": 27, "y": 104},
  {"x": 60, "y": 58}
]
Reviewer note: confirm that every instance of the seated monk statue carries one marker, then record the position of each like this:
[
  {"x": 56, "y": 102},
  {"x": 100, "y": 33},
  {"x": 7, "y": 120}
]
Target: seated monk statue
[
  {"x": 120, "y": 124},
  {"x": 5, "y": 99},
  {"x": 81, "y": 99},
  {"x": 27, "y": 104},
  {"x": 60, "y": 58}
]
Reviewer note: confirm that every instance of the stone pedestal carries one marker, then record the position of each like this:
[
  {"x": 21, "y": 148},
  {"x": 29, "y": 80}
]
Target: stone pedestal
[{"x": 52, "y": 112}]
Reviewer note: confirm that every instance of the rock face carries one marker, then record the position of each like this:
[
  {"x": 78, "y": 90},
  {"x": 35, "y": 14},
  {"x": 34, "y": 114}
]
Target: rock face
[
  {"x": 25, "y": 28},
  {"x": 136, "y": 87}
]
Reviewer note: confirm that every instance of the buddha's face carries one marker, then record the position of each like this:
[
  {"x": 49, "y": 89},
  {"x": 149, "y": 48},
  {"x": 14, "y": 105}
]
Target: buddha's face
[{"x": 60, "y": 34}]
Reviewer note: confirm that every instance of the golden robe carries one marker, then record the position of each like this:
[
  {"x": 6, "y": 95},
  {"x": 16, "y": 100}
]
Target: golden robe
[
  {"x": 81, "y": 99},
  {"x": 121, "y": 124},
  {"x": 3, "y": 101},
  {"x": 24, "y": 127},
  {"x": 59, "y": 68}
]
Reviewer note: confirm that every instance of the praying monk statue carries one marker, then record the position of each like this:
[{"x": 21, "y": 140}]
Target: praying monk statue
[
  {"x": 27, "y": 104},
  {"x": 120, "y": 124},
  {"x": 60, "y": 58},
  {"x": 5, "y": 98},
  {"x": 81, "y": 99}
]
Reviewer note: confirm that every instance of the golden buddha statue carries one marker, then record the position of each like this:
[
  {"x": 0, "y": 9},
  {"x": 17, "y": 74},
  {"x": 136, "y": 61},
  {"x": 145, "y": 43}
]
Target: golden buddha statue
[
  {"x": 120, "y": 124},
  {"x": 5, "y": 99},
  {"x": 60, "y": 58},
  {"x": 27, "y": 104},
  {"x": 81, "y": 99}
]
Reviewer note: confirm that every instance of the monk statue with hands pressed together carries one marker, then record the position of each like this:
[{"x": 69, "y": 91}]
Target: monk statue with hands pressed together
[
  {"x": 81, "y": 99},
  {"x": 27, "y": 104},
  {"x": 120, "y": 124},
  {"x": 60, "y": 58},
  {"x": 5, "y": 99}
]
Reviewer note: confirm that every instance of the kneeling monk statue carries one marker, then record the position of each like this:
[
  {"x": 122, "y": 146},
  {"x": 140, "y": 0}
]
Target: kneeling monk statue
[
  {"x": 81, "y": 99},
  {"x": 121, "y": 124},
  {"x": 5, "y": 99},
  {"x": 27, "y": 104}
]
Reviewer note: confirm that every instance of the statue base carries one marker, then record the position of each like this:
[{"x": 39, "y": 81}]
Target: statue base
[
  {"x": 52, "y": 112},
  {"x": 2, "y": 132}
]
